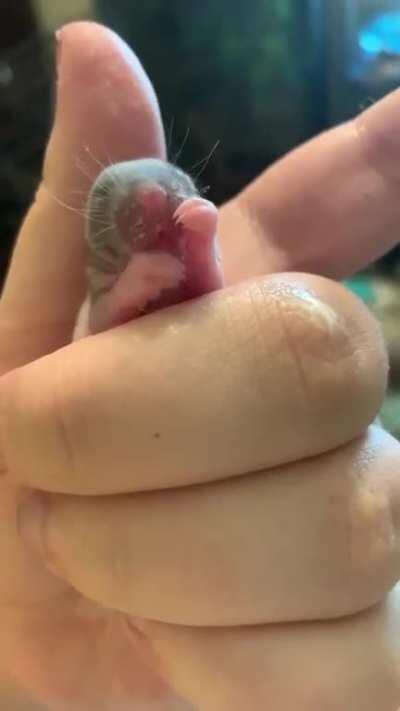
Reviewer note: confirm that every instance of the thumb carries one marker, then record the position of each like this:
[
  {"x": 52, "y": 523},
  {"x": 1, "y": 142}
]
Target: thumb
[{"x": 102, "y": 93}]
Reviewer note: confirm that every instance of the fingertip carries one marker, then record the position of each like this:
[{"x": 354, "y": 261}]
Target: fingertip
[
  {"x": 378, "y": 127},
  {"x": 98, "y": 72},
  {"x": 329, "y": 207},
  {"x": 366, "y": 337},
  {"x": 86, "y": 43}
]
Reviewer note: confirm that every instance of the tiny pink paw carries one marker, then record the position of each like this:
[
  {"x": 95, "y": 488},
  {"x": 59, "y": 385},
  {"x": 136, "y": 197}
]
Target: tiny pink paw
[{"x": 197, "y": 215}]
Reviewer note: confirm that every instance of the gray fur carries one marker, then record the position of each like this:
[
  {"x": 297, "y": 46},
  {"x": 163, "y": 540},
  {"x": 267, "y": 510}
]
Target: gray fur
[{"x": 109, "y": 251}]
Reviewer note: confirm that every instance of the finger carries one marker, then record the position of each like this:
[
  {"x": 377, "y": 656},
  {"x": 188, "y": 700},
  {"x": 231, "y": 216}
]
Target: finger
[
  {"x": 247, "y": 556},
  {"x": 105, "y": 102},
  {"x": 346, "y": 664},
  {"x": 148, "y": 405},
  {"x": 329, "y": 207},
  {"x": 118, "y": 117}
]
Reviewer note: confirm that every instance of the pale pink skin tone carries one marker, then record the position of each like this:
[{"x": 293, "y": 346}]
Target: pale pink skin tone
[
  {"x": 181, "y": 265},
  {"x": 330, "y": 207}
]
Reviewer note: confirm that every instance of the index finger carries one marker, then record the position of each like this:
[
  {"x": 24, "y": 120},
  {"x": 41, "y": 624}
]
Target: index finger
[
  {"x": 330, "y": 207},
  {"x": 247, "y": 378}
]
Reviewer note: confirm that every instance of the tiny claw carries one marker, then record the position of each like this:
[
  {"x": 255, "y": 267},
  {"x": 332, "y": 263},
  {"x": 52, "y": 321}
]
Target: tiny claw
[{"x": 197, "y": 215}]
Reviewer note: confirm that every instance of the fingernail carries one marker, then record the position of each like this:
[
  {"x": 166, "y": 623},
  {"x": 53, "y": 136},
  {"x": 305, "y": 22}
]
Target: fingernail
[{"x": 31, "y": 521}]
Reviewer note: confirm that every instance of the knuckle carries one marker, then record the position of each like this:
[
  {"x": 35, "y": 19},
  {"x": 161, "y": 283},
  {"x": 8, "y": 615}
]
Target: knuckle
[
  {"x": 368, "y": 540},
  {"x": 335, "y": 356},
  {"x": 373, "y": 543}
]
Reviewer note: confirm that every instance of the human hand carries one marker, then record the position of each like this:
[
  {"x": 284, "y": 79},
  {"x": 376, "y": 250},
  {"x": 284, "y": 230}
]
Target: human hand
[{"x": 310, "y": 536}]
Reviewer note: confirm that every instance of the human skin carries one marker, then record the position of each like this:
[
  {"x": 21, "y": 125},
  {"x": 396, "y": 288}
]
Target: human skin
[{"x": 259, "y": 527}]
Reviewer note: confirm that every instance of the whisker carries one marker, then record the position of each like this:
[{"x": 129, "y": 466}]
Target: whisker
[
  {"x": 170, "y": 132},
  {"x": 94, "y": 238},
  {"x": 77, "y": 210},
  {"x": 110, "y": 161},
  {"x": 83, "y": 212},
  {"x": 111, "y": 164},
  {"x": 81, "y": 167},
  {"x": 204, "y": 163},
  {"x": 204, "y": 190},
  {"x": 93, "y": 157},
  {"x": 178, "y": 154},
  {"x": 78, "y": 192},
  {"x": 119, "y": 183}
]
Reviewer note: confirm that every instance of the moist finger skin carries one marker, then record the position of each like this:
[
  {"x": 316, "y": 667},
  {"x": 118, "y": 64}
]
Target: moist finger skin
[
  {"x": 240, "y": 380},
  {"x": 314, "y": 540}
]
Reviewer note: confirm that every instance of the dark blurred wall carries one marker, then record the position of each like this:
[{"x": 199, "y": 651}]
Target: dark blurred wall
[
  {"x": 25, "y": 110},
  {"x": 255, "y": 78},
  {"x": 243, "y": 74},
  {"x": 246, "y": 76},
  {"x": 17, "y": 22}
]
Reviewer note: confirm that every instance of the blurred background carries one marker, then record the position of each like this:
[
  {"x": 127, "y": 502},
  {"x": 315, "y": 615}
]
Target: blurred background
[{"x": 243, "y": 82}]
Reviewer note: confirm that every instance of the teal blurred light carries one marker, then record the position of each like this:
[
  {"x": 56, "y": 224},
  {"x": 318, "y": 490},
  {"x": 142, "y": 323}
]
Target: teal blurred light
[{"x": 381, "y": 34}]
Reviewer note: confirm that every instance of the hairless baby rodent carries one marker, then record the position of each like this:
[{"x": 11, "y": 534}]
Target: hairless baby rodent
[{"x": 152, "y": 243}]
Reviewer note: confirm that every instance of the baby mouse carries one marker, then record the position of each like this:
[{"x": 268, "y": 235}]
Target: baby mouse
[{"x": 152, "y": 242}]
